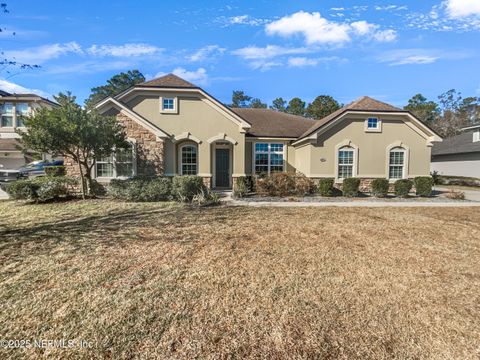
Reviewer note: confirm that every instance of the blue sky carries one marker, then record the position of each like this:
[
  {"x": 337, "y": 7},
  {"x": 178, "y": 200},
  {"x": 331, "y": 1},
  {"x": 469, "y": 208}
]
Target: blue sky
[{"x": 389, "y": 50}]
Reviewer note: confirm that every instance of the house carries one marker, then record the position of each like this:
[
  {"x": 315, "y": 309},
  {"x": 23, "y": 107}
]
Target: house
[
  {"x": 177, "y": 128},
  {"x": 12, "y": 107},
  {"x": 458, "y": 155}
]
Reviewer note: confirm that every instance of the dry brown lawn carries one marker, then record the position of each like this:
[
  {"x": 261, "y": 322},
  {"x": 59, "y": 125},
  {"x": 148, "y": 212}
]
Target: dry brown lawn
[{"x": 165, "y": 281}]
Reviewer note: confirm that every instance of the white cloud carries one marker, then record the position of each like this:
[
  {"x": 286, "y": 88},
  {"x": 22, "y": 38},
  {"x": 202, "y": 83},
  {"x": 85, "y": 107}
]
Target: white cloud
[
  {"x": 318, "y": 30},
  {"x": 462, "y": 8},
  {"x": 410, "y": 56},
  {"x": 198, "y": 77},
  {"x": 241, "y": 20},
  {"x": 11, "y": 87},
  {"x": 268, "y": 52},
  {"x": 125, "y": 50},
  {"x": 315, "y": 28},
  {"x": 301, "y": 62},
  {"x": 205, "y": 53},
  {"x": 391, "y": 7},
  {"x": 41, "y": 54}
]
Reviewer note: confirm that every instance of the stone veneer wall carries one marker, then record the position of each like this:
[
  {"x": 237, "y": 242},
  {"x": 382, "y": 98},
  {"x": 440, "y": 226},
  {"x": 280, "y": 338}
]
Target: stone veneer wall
[{"x": 149, "y": 150}]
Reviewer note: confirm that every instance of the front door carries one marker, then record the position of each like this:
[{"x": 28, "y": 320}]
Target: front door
[{"x": 222, "y": 168}]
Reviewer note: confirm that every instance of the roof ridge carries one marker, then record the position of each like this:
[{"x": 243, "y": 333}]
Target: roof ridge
[{"x": 168, "y": 80}]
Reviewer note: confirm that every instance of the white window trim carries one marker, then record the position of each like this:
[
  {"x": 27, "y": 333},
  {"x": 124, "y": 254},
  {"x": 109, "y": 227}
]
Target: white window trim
[
  {"x": 406, "y": 157},
  {"x": 378, "y": 129},
  {"x": 180, "y": 162},
  {"x": 169, "y": 111},
  {"x": 114, "y": 176},
  {"x": 284, "y": 153},
  {"x": 13, "y": 116},
  {"x": 346, "y": 143}
]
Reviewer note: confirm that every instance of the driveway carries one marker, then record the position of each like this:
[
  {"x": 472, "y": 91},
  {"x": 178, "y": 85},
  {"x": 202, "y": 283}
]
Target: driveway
[{"x": 3, "y": 195}]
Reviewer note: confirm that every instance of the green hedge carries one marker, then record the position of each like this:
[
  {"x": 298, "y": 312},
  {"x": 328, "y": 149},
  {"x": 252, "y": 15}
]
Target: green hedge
[
  {"x": 142, "y": 189},
  {"x": 403, "y": 187},
  {"x": 380, "y": 187},
  {"x": 350, "y": 187},
  {"x": 325, "y": 187},
  {"x": 41, "y": 189},
  {"x": 423, "y": 185},
  {"x": 185, "y": 187}
]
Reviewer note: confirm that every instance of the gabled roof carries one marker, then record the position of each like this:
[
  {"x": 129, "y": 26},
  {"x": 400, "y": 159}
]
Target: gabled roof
[
  {"x": 270, "y": 123},
  {"x": 168, "y": 81},
  {"x": 459, "y": 144},
  {"x": 4, "y": 93},
  {"x": 363, "y": 103},
  {"x": 5, "y": 96}
]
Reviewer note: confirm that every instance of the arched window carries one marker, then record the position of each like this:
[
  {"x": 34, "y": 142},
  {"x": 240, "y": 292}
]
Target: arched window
[
  {"x": 346, "y": 161},
  {"x": 396, "y": 163},
  {"x": 188, "y": 160}
]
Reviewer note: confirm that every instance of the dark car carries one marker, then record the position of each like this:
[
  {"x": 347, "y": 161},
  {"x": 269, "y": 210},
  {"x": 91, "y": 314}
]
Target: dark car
[{"x": 37, "y": 168}]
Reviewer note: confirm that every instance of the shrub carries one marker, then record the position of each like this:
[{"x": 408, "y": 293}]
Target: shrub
[
  {"x": 141, "y": 189},
  {"x": 264, "y": 186},
  {"x": 380, "y": 187},
  {"x": 41, "y": 189},
  {"x": 97, "y": 189},
  {"x": 423, "y": 185},
  {"x": 325, "y": 187},
  {"x": 54, "y": 170},
  {"x": 283, "y": 184},
  {"x": 350, "y": 187},
  {"x": 455, "y": 195},
  {"x": 436, "y": 178},
  {"x": 403, "y": 187},
  {"x": 185, "y": 187},
  {"x": 303, "y": 185},
  {"x": 244, "y": 185},
  {"x": 206, "y": 198}
]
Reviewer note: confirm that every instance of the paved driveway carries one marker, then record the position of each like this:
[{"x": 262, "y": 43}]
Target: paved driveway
[{"x": 3, "y": 195}]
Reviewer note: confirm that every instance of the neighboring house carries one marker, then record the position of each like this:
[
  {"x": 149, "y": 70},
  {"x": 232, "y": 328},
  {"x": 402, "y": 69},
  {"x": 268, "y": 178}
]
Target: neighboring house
[
  {"x": 458, "y": 155},
  {"x": 176, "y": 127},
  {"x": 12, "y": 108}
]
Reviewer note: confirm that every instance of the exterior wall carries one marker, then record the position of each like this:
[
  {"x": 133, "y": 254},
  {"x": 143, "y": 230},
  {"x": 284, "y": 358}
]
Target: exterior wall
[
  {"x": 318, "y": 159},
  {"x": 467, "y": 165},
  {"x": 200, "y": 120},
  {"x": 11, "y": 160}
]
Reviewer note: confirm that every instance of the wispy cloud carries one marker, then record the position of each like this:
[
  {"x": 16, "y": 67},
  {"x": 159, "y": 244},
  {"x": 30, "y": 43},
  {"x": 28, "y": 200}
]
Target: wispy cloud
[
  {"x": 198, "y": 77},
  {"x": 11, "y": 87},
  {"x": 318, "y": 30},
  {"x": 391, "y": 7},
  {"x": 241, "y": 20},
  {"x": 304, "y": 61},
  {"x": 420, "y": 56},
  {"x": 126, "y": 50},
  {"x": 41, "y": 54},
  {"x": 268, "y": 52},
  {"x": 206, "y": 53}
]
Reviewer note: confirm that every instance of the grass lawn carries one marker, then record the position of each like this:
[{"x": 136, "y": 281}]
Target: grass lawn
[{"x": 165, "y": 281}]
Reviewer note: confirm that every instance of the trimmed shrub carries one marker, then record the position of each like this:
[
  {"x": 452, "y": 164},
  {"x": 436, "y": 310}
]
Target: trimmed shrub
[
  {"x": 303, "y": 185},
  {"x": 403, "y": 187},
  {"x": 380, "y": 187},
  {"x": 325, "y": 187},
  {"x": 423, "y": 185},
  {"x": 54, "y": 170},
  {"x": 264, "y": 186},
  {"x": 185, "y": 187},
  {"x": 42, "y": 189},
  {"x": 141, "y": 189},
  {"x": 244, "y": 185},
  {"x": 350, "y": 187},
  {"x": 97, "y": 189}
]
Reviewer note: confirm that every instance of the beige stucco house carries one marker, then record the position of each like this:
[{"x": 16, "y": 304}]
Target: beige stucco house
[
  {"x": 12, "y": 108},
  {"x": 176, "y": 128}
]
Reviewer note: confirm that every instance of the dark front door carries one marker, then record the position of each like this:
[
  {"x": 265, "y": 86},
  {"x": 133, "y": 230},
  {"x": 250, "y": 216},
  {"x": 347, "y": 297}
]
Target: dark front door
[{"x": 222, "y": 167}]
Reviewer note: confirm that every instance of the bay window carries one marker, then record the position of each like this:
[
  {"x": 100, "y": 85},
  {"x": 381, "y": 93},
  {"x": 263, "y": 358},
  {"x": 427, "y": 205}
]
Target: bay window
[{"x": 268, "y": 158}]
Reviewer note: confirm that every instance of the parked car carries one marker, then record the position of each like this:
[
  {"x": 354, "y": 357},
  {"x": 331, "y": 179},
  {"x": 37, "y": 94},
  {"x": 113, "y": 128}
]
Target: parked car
[
  {"x": 37, "y": 168},
  {"x": 8, "y": 176}
]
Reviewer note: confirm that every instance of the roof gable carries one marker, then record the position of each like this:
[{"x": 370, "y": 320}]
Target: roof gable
[{"x": 168, "y": 81}]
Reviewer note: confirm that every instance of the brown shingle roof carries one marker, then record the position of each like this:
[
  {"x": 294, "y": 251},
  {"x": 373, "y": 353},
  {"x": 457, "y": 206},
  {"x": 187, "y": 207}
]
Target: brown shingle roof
[
  {"x": 169, "y": 80},
  {"x": 363, "y": 103},
  {"x": 270, "y": 123}
]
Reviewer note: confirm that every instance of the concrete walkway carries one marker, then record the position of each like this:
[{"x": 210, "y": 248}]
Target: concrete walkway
[
  {"x": 3, "y": 195},
  {"x": 473, "y": 195},
  {"x": 365, "y": 203}
]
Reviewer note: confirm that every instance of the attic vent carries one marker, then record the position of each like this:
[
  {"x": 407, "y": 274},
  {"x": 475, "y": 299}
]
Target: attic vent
[{"x": 476, "y": 135}]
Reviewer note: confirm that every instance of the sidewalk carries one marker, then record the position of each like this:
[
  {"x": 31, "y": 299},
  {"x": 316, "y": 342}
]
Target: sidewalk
[{"x": 352, "y": 204}]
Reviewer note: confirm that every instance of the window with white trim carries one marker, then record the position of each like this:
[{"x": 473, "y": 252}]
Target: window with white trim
[
  {"x": 118, "y": 165},
  {"x": 22, "y": 110},
  {"x": 396, "y": 163},
  {"x": 188, "y": 160},
  {"x": 268, "y": 158},
  {"x": 346, "y": 158},
  {"x": 372, "y": 123},
  {"x": 168, "y": 104},
  {"x": 7, "y": 115}
]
